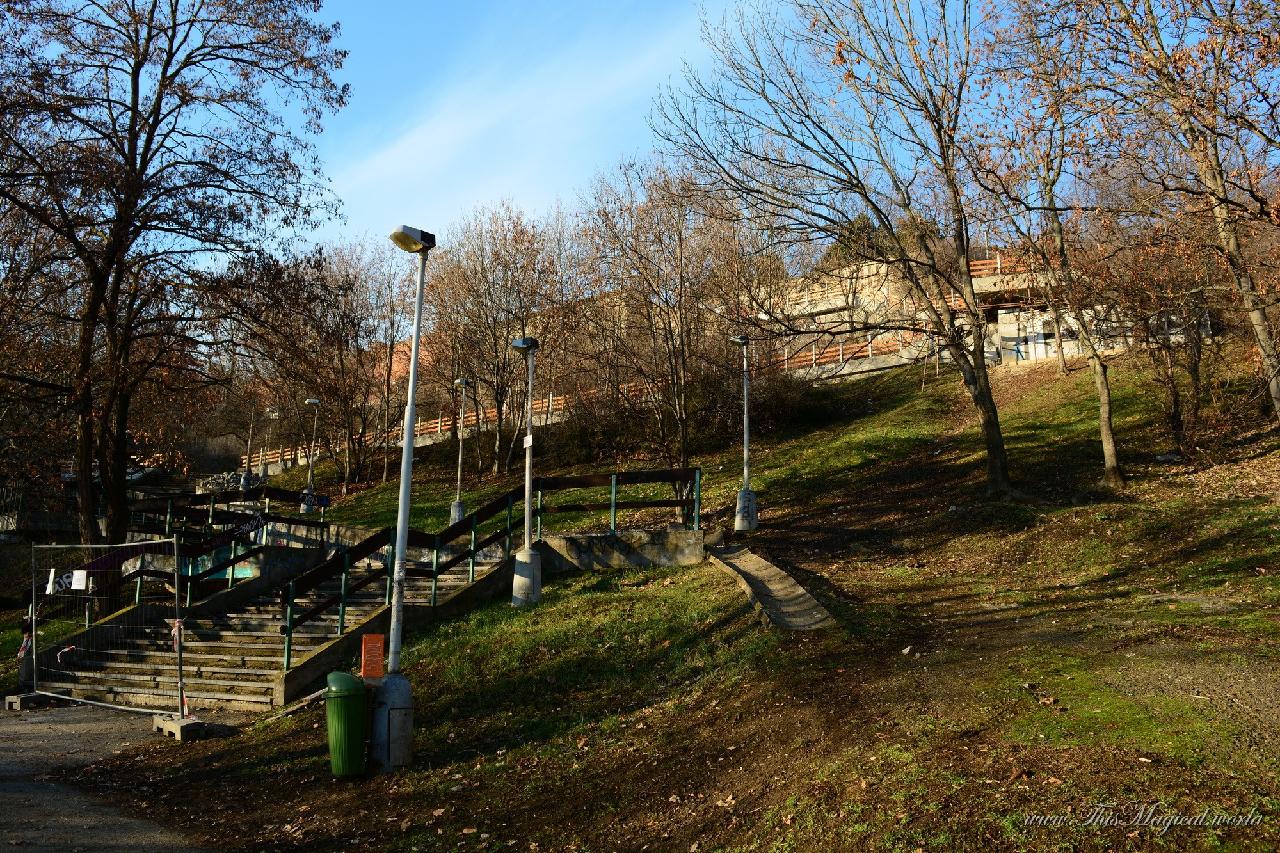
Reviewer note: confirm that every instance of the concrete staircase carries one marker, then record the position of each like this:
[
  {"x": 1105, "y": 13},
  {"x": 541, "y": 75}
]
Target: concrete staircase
[{"x": 232, "y": 660}]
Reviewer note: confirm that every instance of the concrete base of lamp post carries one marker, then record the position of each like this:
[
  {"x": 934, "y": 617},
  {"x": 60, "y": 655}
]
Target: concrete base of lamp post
[
  {"x": 391, "y": 738},
  {"x": 746, "y": 517},
  {"x": 456, "y": 511},
  {"x": 526, "y": 587}
]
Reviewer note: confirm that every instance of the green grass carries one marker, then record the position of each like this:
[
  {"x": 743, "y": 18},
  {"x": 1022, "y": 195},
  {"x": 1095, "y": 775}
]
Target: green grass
[{"x": 994, "y": 659}]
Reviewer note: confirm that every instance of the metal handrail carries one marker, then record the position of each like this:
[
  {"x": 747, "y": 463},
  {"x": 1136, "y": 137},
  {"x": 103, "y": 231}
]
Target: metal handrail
[{"x": 340, "y": 563}]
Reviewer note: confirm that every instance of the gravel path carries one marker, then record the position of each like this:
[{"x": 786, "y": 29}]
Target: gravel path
[{"x": 36, "y": 814}]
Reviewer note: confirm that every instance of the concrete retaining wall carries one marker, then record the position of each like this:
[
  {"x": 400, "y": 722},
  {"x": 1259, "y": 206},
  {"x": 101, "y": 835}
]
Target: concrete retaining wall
[{"x": 624, "y": 549}]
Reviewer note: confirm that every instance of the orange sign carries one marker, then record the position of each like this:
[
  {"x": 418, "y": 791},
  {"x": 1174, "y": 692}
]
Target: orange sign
[{"x": 371, "y": 655}]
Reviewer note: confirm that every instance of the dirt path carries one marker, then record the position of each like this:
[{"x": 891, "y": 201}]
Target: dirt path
[{"x": 43, "y": 815}]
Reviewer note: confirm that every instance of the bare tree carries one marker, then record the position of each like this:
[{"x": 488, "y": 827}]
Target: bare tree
[
  {"x": 495, "y": 281},
  {"x": 651, "y": 327},
  {"x": 141, "y": 138},
  {"x": 1032, "y": 161},
  {"x": 829, "y": 109},
  {"x": 1201, "y": 76}
]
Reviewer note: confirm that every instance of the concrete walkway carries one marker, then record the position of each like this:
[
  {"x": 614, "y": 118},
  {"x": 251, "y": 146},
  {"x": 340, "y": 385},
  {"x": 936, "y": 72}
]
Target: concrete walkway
[
  {"x": 780, "y": 600},
  {"x": 46, "y": 816}
]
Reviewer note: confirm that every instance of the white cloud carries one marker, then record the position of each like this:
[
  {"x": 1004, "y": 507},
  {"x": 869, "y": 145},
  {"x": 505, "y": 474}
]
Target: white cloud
[{"x": 532, "y": 138}]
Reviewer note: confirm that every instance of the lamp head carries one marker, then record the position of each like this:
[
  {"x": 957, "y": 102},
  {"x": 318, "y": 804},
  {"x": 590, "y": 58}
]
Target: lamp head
[
  {"x": 740, "y": 340},
  {"x": 525, "y": 345},
  {"x": 413, "y": 240},
  {"x": 463, "y": 382},
  {"x": 311, "y": 401}
]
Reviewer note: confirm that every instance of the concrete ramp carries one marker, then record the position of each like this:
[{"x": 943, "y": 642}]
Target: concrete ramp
[{"x": 781, "y": 601}]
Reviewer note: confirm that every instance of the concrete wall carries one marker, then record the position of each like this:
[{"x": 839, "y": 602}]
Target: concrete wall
[{"x": 625, "y": 549}]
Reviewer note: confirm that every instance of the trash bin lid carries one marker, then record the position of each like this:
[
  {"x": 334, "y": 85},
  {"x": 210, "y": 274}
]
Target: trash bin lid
[{"x": 344, "y": 684}]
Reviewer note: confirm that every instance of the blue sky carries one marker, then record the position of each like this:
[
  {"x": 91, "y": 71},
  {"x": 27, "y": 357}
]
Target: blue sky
[{"x": 456, "y": 105}]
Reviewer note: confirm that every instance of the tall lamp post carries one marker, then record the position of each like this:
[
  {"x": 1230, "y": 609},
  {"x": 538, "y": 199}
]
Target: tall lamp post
[
  {"x": 526, "y": 588},
  {"x": 391, "y": 741},
  {"x": 310, "y": 490},
  {"x": 457, "y": 510},
  {"x": 746, "y": 516},
  {"x": 273, "y": 418}
]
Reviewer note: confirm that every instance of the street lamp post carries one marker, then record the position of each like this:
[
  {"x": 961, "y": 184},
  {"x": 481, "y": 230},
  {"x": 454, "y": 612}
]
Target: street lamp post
[
  {"x": 391, "y": 741},
  {"x": 273, "y": 418},
  {"x": 457, "y": 510},
  {"x": 746, "y": 516},
  {"x": 526, "y": 588},
  {"x": 248, "y": 453},
  {"x": 310, "y": 490}
]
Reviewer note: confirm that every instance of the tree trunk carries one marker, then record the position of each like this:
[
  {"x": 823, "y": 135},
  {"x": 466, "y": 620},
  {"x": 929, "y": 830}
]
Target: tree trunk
[
  {"x": 115, "y": 470},
  {"x": 86, "y": 492},
  {"x": 497, "y": 431},
  {"x": 973, "y": 369},
  {"x": 1173, "y": 415},
  {"x": 1057, "y": 340},
  {"x": 1229, "y": 238},
  {"x": 1112, "y": 473}
]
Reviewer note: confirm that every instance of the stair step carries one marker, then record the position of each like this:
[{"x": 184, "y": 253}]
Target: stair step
[
  {"x": 197, "y": 658},
  {"x": 125, "y": 680},
  {"x": 126, "y": 694},
  {"x": 189, "y": 668}
]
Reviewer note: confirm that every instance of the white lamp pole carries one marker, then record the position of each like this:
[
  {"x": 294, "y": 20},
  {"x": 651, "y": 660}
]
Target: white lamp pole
[
  {"x": 746, "y": 516},
  {"x": 392, "y": 736},
  {"x": 458, "y": 509},
  {"x": 311, "y": 456},
  {"x": 527, "y": 586}
]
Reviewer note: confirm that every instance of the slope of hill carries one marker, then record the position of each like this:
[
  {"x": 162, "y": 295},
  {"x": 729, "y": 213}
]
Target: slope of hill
[{"x": 1000, "y": 669}]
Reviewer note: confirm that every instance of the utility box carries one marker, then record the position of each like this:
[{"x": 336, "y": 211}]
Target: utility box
[{"x": 345, "y": 709}]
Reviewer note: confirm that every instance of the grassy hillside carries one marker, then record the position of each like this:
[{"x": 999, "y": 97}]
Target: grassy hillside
[{"x": 994, "y": 662}]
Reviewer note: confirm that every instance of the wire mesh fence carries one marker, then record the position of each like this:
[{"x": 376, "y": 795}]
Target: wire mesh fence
[{"x": 105, "y": 624}]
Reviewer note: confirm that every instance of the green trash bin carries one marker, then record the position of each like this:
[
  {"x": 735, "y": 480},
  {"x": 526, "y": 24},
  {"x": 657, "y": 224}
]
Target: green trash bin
[{"x": 345, "y": 707}]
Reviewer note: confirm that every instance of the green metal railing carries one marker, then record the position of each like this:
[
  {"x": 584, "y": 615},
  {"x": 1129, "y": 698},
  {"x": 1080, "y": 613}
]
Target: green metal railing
[
  {"x": 687, "y": 483},
  {"x": 465, "y": 539}
]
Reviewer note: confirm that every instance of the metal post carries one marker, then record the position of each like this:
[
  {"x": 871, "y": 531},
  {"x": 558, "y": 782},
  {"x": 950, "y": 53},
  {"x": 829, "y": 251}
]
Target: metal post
[
  {"x": 406, "y": 480},
  {"x": 311, "y": 452},
  {"x": 697, "y": 499},
  {"x": 288, "y": 629},
  {"x": 342, "y": 599},
  {"x": 745, "y": 515},
  {"x": 388, "y": 563},
  {"x": 168, "y": 518},
  {"x": 456, "y": 509},
  {"x": 435, "y": 569},
  {"x": 35, "y": 658},
  {"x": 177, "y": 627},
  {"x": 613, "y": 503},
  {"x": 526, "y": 587},
  {"x": 526, "y": 515},
  {"x": 471, "y": 563},
  {"x": 506, "y": 548},
  {"x": 528, "y": 456}
]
